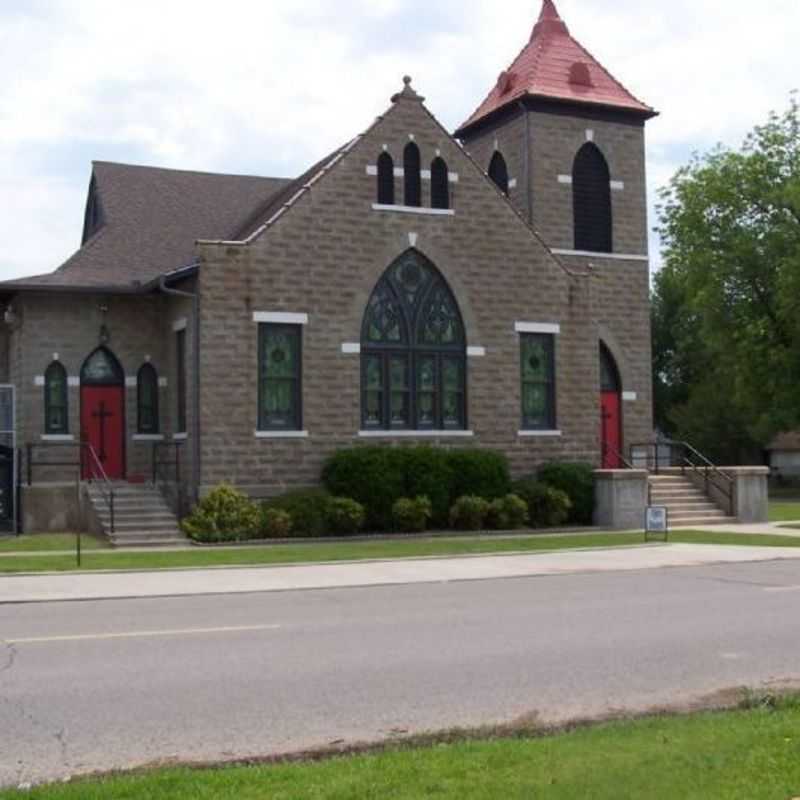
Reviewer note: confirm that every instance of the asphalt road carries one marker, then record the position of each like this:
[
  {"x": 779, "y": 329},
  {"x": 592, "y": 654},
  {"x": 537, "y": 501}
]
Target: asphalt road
[{"x": 107, "y": 684}]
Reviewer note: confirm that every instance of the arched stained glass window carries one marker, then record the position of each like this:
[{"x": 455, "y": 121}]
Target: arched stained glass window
[
  {"x": 591, "y": 200},
  {"x": 101, "y": 368},
  {"x": 609, "y": 374},
  {"x": 498, "y": 172},
  {"x": 56, "y": 407},
  {"x": 413, "y": 351},
  {"x": 147, "y": 400},
  {"x": 440, "y": 184},
  {"x": 385, "y": 180},
  {"x": 412, "y": 175}
]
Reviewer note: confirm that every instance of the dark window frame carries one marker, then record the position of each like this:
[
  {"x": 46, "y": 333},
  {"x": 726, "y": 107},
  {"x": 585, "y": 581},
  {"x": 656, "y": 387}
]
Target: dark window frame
[
  {"x": 550, "y": 424},
  {"x": 180, "y": 370},
  {"x": 147, "y": 372},
  {"x": 297, "y": 394},
  {"x": 498, "y": 172},
  {"x": 414, "y": 351},
  {"x": 385, "y": 182},
  {"x": 412, "y": 176},
  {"x": 57, "y": 371},
  {"x": 440, "y": 184},
  {"x": 592, "y": 211}
]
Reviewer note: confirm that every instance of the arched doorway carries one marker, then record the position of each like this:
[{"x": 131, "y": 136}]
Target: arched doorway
[
  {"x": 610, "y": 410},
  {"x": 103, "y": 413}
]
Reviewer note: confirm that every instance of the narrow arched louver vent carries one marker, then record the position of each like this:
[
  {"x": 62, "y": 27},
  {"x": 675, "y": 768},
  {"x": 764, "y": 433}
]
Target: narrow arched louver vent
[
  {"x": 385, "y": 180},
  {"x": 498, "y": 172},
  {"x": 591, "y": 198},
  {"x": 440, "y": 189},
  {"x": 413, "y": 179}
]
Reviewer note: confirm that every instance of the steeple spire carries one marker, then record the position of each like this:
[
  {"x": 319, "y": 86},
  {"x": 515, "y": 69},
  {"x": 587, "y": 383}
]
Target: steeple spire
[{"x": 549, "y": 21}]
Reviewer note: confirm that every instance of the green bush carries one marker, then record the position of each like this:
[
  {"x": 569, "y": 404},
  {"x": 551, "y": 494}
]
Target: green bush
[
  {"x": 547, "y": 506},
  {"x": 374, "y": 476},
  {"x": 344, "y": 516},
  {"x": 481, "y": 473},
  {"x": 428, "y": 472},
  {"x": 577, "y": 480},
  {"x": 275, "y": 523},
  {"x": 307, "y": 509},
  {"x": 507, "y": 513},
  {"x": 412, "y": 515},
  {"x": 469, "y": 513},
  {"x": 223, "y": 515}
]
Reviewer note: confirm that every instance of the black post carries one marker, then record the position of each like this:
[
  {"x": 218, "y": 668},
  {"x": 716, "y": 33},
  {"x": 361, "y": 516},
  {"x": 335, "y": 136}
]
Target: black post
[
  {"x": 78, "y": 547},
  {"x": 111, "y": 502},
  {"x": 178, "y": 464},
  {"x": 29, "y": 448},
  {"x": 155, "y": 457}
]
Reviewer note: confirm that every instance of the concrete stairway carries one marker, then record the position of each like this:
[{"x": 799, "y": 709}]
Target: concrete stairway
[
  {"x": 142, "y": 517},
  {"x": 687, "y": 504}
]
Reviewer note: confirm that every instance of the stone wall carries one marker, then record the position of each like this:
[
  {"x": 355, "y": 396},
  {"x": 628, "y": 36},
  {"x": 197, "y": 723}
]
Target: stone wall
[{"x": 324, "y": 257}]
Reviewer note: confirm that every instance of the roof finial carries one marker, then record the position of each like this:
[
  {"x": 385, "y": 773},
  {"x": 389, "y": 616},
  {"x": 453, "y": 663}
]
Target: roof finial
[
  {"x": 549, "y": 20},
  {"x": 408, "y": 93}
]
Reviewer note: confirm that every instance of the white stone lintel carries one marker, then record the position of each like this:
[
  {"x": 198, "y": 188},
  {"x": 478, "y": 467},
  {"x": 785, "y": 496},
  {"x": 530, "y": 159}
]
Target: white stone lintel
[
  {"x": 38, "y": 380},
  {"x": 476, "y": 352},
  {"x": 130, "y": 381},
  {"x": 616, "y": 256},
  {"x": 452, "y": 177},
  {"x": 73, "y": 381},
  {"x": 512, "y": 184},
  {"x": 537, "y": 327},
  {"x": 425, "y": 174},
  {"x": 565, "y": 179},
  {"x": 162, "y": 382},
  {"x": 372, "y": 169},
  {"x": 630, "y": 397},
  {"x": 281, "y": 434},
  {"x": 351, "y": 348},
  {"x": 399, "y": 172},
  {"x": 617, "y": 186},
  {"x": 434, "y": 212},
  {"x": 281, "y": 317}
]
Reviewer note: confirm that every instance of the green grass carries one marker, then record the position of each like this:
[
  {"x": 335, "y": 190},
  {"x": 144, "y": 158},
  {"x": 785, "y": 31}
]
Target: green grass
[
  {"x": 734, "y": 755},
  {"x": 41, "y": 542},
  {"x": 352, "y": 551},
  {"x": 784, "y": 511}
]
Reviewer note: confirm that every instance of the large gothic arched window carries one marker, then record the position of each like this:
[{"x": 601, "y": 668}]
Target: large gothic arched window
[
  {"x": 591, "y": 200},
  {"x": 413, "y": 348}
]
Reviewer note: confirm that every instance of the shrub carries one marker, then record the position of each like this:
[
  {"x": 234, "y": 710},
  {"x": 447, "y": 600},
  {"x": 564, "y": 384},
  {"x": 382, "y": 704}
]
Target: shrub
[
  {"x": 374, "y": 476},
  {"x": 275, "y": 523},
  {"x": 480, "y": 473},
  {"x": 307, "y": 509},
  {"x": 428, "y": 473},
  {"x": 344, "y": 516},
  {"x": 577, "y": 480},
  {"x": 546, "y": 506},
  {"x": 412, "y": 515},
  {"x": 469, "y": 513},
  {"x": 507, "y": 513},
  {"x": 223, "y": 515}
]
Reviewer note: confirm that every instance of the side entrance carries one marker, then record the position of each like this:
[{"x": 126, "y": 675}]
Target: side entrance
[
  {"x": 610, "y": 411},
  {"x": 103, "y": 414}
]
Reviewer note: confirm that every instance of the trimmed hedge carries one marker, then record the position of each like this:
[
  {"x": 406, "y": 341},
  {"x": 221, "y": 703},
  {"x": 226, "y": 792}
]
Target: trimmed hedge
[
  {"x": 377, "y": 477},
  {"x": 577, "y": 481},
  {"x": 224, "y": 515},
  {"x": 307, "y": 509},
  {"x": 547, "y": 507},
  {"x": 411, "y": 515},
  {"x": 469, "y": 513}
]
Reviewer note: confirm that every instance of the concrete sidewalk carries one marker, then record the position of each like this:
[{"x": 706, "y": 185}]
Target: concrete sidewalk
[{"x": 186, "y": 582}]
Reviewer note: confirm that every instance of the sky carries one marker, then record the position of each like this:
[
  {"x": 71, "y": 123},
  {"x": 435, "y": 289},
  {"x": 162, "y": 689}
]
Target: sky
[{"x": 268, "y": 88}]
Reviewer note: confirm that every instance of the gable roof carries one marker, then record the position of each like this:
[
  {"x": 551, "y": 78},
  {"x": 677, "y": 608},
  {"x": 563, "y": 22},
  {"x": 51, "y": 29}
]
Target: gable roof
[
  {"x": 554, "y": 66},
  {"x": 151, "y": 220}
]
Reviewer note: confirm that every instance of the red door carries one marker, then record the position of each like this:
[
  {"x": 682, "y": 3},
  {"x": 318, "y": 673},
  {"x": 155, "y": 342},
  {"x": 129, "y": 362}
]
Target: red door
[
  {"x": 611, "y": 426},
  {"x": 103, "y": 427}
]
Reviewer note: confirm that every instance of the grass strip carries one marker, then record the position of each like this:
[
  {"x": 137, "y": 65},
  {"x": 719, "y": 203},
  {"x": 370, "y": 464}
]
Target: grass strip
[
  {"x": 354, "y": 551},
  {"x": 751, "y": 753},
  {"x": 42, "y": 542},
  {"x": 784, "y": 512}
]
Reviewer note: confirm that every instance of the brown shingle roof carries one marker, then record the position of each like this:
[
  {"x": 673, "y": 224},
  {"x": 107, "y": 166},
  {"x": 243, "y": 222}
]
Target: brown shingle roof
[{"x": 153, "y": 217}]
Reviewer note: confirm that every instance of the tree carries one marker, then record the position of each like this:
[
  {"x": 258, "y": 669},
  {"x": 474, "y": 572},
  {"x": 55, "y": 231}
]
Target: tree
[{"x": 726, "y": 305}]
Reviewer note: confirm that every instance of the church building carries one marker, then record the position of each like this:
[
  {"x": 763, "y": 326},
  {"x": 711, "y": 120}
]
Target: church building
[{"x": 486, "y": 287}]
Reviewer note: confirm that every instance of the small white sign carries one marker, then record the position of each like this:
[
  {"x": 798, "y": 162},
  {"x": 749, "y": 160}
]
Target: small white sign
[{"x": 656, "y": 520}]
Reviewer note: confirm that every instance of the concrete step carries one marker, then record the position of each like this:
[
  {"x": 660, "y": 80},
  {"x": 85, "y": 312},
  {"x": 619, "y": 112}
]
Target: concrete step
[
  {"x": 141, "y": 523},
  {"x": 677, "y": 497},
  {"x": 165, "y": 542},
  {"x": 696, "y": 515},
  {"x": 702, "y": 521},
  {"x": 154, "y": 536},
  {"x": 694, "y": 502}
]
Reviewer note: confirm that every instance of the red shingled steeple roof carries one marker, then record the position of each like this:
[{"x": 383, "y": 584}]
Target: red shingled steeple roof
[{"x": 554, "y": 66}]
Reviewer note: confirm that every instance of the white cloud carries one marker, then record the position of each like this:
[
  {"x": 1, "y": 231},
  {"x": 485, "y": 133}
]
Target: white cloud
[{"x": 268, "y": 88}]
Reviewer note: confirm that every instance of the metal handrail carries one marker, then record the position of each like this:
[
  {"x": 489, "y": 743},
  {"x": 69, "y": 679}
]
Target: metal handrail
[
  {"x": 107, "y": 492},
  {"x": 159, "y": 476},
  {"x": 614, "y": 452},
  {"x": 709, "y": 471}
]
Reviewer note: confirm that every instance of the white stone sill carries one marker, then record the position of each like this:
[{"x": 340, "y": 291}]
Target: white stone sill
[
  {"x": 148, "y": 437},
  {"x": 281, "y": 434},
  {"x": 433, "y": 212},
  {"x": 538, "y": 433},
  {"x": 180, "y": 437},
  {"x": 591, "y": 254},
  {"x": 414, "y": 434},
  {"x": 61, "y": 437}
]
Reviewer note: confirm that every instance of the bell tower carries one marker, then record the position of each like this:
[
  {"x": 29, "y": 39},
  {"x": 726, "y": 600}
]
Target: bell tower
[{"x": 564, "y": 139}]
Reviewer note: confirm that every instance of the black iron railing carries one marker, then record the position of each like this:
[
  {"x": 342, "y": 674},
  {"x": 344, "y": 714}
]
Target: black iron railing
[
  {"x": 670, "y": 454},
  {"x": 167, "y": 469}
]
